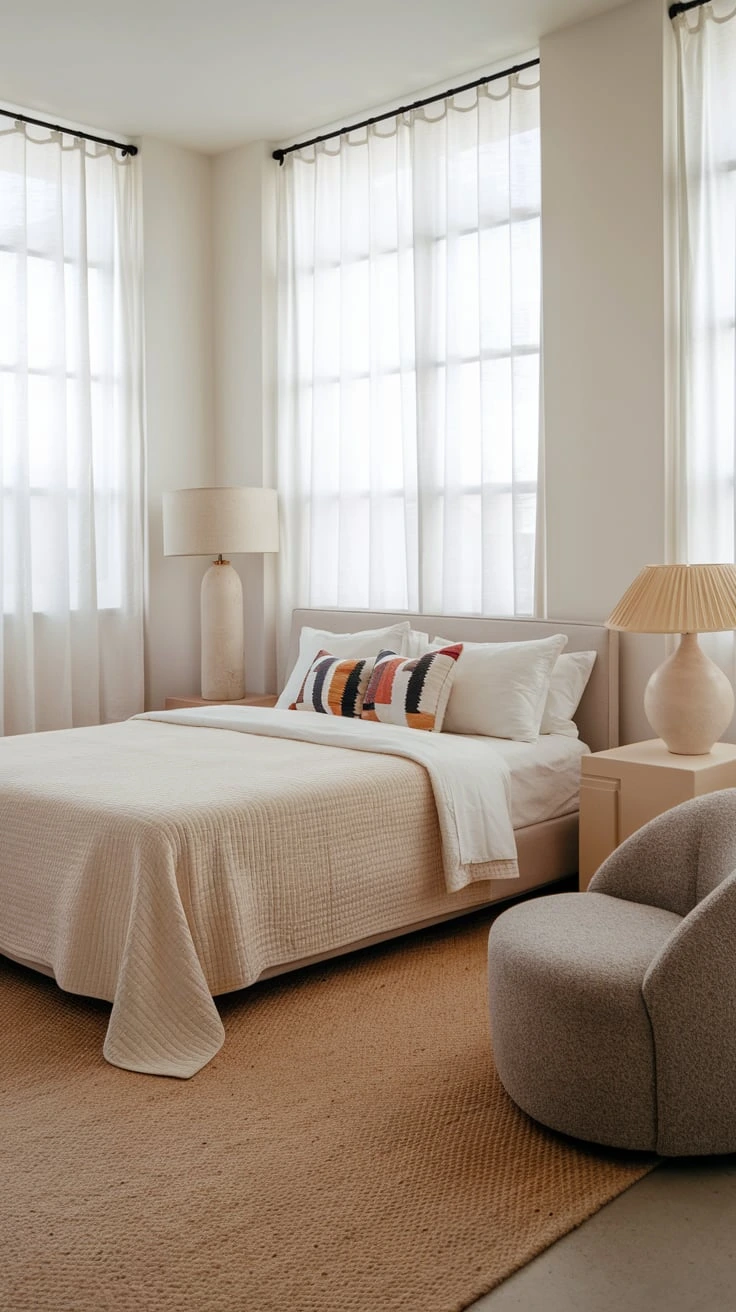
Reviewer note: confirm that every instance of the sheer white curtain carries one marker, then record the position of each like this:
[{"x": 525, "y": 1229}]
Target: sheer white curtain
[
  {"x": 705, "y": 449},
  {"x": 409, "y": 312},
  {"x": 71, "y": 576}
]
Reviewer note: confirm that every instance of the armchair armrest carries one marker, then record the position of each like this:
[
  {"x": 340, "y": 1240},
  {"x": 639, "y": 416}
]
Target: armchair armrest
[{"x": 690, "y": 994}]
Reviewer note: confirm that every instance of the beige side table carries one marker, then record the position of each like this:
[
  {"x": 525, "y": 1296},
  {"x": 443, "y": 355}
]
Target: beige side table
[
  {"x": 250, "y": 699},
  {"x": 621, "y": 789}
]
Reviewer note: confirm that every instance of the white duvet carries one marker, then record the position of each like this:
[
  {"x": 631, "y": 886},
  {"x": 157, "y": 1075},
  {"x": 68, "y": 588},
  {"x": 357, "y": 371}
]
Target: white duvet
[
  {"x": 155, "y": 864},
  {"x": 470, "y": 779}
]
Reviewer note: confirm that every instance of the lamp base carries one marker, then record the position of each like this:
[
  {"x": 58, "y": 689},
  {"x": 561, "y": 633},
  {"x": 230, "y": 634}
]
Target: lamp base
[
  {"x": 223, "y": 667},
  {"x": 688, "y": 700}
]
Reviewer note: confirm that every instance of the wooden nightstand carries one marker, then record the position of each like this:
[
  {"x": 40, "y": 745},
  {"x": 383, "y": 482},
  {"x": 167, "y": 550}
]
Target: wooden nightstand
[
  {"x": 620, "y": 790},
  {"x": 251, "y": 699}
]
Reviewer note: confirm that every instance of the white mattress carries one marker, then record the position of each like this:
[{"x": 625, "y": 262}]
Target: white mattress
[{"x": 545, "y": 777}]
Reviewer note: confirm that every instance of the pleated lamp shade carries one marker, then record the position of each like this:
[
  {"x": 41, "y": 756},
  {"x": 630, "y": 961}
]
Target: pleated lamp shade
[{"x": 678, "y": 599}]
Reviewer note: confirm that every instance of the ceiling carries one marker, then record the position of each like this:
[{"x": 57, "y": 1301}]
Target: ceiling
[{"x": 211, "y": 74}]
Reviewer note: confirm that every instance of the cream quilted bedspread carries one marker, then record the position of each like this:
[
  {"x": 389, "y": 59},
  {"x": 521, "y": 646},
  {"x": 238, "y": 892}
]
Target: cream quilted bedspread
[{"x": 154, "y": 864}]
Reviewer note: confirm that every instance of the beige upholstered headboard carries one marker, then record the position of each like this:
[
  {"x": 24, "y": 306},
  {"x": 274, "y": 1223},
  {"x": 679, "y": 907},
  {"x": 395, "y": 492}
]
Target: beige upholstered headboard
[{"x": 597, "y": 714}]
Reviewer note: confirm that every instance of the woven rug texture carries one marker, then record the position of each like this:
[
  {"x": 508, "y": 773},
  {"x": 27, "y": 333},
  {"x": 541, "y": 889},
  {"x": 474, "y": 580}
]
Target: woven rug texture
[{"x": 350, "y": 1149}]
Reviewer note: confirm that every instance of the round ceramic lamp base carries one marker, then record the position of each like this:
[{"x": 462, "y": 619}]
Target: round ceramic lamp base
[
  {"x": 223, "y": 666},
  {"x": 688, "y": 700}
]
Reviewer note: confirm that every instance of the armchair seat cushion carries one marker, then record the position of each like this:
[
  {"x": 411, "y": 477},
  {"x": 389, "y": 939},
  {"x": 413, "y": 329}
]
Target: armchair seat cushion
[{"x": 571, "y": 1033}]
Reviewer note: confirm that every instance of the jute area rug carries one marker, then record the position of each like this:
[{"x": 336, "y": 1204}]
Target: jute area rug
[{"x": 349, "y": 1150}]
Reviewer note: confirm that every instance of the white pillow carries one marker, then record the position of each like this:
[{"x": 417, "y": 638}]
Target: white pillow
[
  {"x": 500, "y": 688},
  {"x": 417, "y": 644},
  {"x": 366, "y": 643},
  {"x": 569, "y": 677}
]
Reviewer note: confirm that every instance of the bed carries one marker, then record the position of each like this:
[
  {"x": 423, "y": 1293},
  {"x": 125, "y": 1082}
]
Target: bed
[{"x": 163, "y": 861}]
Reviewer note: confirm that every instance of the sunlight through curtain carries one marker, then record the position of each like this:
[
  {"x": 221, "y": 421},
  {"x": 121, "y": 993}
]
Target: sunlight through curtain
[
  {"x": 71, "y": 576},
  {"x": 409, "y": 314},
  {"x": 704, "y": 455}
]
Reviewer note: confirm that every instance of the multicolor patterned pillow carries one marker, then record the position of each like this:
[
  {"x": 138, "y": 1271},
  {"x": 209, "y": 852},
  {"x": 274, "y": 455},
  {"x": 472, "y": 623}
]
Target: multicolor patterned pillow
[
  {"x": 411, "y": 692},
  {"x": 335, "y": 685}
]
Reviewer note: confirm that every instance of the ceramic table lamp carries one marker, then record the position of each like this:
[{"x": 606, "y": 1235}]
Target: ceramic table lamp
[
  {"x": 215, "y": 521},
  {"x": 688, "y": 700}
]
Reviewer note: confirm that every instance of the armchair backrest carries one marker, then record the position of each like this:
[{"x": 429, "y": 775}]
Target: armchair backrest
[
  {"x": 717, "y": 856},
  {"x": 677, "y": 859}
]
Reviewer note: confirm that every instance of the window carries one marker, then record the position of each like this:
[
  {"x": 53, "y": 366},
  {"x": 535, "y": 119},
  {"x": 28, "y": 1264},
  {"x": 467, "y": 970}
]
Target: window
[
  {"x": 707, "y": 217},
  {"x": 70, "y": 436},
  {"x": 410, "y": 278},
  {"x": 60, "y": 398}
]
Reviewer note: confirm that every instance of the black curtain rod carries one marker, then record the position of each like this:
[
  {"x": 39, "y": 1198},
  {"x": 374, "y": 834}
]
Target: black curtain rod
[
  {"x": 280, "y": 155},
  {"x": 70, "y": 132},
  {"x": 683, "y": 5}
]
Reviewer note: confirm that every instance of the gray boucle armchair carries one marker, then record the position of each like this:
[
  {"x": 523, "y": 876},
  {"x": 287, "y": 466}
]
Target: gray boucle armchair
[{"x": 613, "y": 1012}]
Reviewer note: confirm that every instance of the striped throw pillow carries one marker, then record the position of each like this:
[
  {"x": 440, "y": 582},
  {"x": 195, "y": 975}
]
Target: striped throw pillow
[
  {"x": 411, "y": 692},
  {"x": 335, "y": 685}
]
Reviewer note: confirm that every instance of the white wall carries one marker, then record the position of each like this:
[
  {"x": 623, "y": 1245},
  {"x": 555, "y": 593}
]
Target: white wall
[
  {"x": 244, "y": 227},
  {"x": 179, "y": 396},
  {"x": 603, "y": 229}
]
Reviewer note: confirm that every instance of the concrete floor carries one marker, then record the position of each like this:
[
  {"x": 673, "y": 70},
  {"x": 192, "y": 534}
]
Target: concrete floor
[{"x": 666, "y": 1245}]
